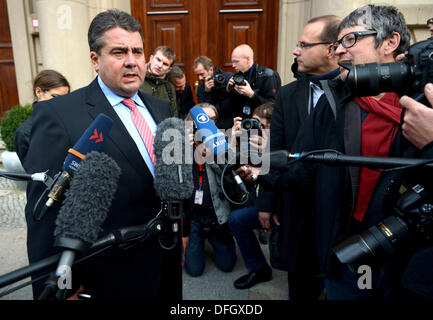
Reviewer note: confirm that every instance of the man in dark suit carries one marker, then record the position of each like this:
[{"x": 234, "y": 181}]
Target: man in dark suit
[
  {"x": 145, "y": 271},
  {"x": 295, "y": 101}
]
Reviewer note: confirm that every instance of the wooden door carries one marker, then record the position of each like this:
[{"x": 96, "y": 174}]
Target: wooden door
[
  {"x": 254, "y": 22},
  {"x": 209, "y": 27},
  {"x": 8, "y": 81}
]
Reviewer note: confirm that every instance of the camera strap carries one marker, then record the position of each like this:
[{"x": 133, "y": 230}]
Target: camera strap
[{"x": 329, "y": 96}]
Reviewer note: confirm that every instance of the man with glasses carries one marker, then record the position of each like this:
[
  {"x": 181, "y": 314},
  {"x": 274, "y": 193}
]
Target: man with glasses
[
  {"x": 350, "y": 200},
  {"x": 259, "y": 84}
]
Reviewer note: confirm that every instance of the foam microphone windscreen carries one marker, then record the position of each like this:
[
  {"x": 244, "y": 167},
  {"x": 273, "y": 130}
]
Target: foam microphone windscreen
[
  {"x": 88, "y": 199},
  {"x": 173, "y": 174}
]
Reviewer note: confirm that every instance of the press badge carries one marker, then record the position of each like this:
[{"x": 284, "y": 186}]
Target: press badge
[
  {"x": 246, "y": 110},
  {"x": 198, "y": 197}
]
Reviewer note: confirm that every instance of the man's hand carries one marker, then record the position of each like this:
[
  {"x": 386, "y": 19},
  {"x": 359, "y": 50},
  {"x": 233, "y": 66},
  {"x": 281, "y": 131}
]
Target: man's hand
[
  {"x": 230, "y": 85},
  {"x": 418, "y": 119},
  {"x": 245, "y": 90},
  {"x": 209, "y": 84},
  {"x": 265, "y": 220},
  {"x": 248, "y": 173}
]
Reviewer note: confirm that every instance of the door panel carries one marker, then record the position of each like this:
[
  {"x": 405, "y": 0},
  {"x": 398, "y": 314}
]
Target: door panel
[{"x": 8, "y": 82}]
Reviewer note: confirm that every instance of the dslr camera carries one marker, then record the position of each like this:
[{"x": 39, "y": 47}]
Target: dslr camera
[
  {"x": 250, "y": 124},
  {"x": 219, "y": 80},
  {"x": 406, "y": 78},
  {"x": 411, "y": 224},
  {"x": 239, "y": 79}
]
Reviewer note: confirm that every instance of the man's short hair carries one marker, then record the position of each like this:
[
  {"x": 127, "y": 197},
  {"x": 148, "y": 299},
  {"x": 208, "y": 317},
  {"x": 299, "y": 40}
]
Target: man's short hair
[
  {"x": 330, "y": 30},
  {"x": 264, "y": 111},
  {"x": 205, "y": 62},
  {"x": 167, "y": 52},
  {"x": 107, "y": 20},
  {"x": 385, "y": 20},
  {"x": 175, "y": 73}
]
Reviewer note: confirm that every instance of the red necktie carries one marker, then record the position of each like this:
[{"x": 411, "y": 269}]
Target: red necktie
[{"x": 142, "y": 127}]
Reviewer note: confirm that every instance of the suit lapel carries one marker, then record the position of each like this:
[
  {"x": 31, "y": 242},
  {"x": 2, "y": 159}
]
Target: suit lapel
[{"x": 119, "y": 136}]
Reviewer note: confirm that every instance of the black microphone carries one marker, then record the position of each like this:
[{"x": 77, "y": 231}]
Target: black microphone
[
  {"x": 85, "y": 208},
  {"x": 173, "y": 181},
  {"x": 92, "y": 140}
]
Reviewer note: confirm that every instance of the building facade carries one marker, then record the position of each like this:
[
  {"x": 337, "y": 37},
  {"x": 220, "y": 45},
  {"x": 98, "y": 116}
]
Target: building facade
[{"x": 52, "y": 34}]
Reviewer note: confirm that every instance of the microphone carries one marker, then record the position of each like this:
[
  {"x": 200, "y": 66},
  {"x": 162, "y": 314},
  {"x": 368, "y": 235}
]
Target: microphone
[
  {"x": 92, "y": 140},
  {"x": 84, "y": 210},
  {"x": 173, "y": 181},
  {"x": 215, "y": 141}
]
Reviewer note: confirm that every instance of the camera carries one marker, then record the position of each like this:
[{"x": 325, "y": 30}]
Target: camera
[
  {"x": 219, "y": 80},
  {"x": 239, "y": 79},
  {"x": 407, "y": 77},
  {"x": 412, "y": 223},
  {"x": 252, "y": 123}
]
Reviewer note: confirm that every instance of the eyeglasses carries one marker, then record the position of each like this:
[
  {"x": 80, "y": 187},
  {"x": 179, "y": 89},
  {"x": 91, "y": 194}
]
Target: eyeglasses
[
  {"x": 349, "y": 39},
  {"x": 303, "y": 45}
]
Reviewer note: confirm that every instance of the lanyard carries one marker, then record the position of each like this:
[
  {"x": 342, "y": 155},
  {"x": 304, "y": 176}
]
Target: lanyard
[
  {"x": 251, "y": 73},
  {"x": 200, "y": 169}
]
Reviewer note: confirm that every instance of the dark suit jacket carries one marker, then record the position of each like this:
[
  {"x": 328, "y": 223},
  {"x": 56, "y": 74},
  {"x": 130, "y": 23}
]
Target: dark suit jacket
[
  {"x": 291, "y": 246},
  {"x": 137, "y": 273}
]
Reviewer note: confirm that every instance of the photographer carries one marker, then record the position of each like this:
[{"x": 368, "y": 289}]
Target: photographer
[
  {"x": 245, "y": 220},
  {"x": 349, "y": 200},
  {"x": 212, "y": 89},
  {"x": 252, "y": 85},
  {"x": 206, "y": 212}
]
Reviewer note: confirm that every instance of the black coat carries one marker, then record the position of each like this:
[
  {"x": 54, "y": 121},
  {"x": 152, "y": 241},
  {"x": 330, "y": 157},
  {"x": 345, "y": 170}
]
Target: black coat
[
  {"x": 145, "y": 271},
  {"x": 291, "y": 242},
  {"x": 22, "y": 137},
  {"x": 333, "y": 199},
  {"x": 264, "y": 81}
]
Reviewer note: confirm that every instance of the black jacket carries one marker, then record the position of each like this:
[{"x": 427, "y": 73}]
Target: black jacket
[
  {"x": 333, "y": 198},
  {"x": 185, "y": 101},
  {"x": 264, "y": 81},
  {"x": 220, "y": 99}
]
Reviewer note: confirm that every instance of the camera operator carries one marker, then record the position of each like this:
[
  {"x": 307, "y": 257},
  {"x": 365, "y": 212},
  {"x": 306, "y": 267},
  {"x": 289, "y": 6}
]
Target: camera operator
[
  {"x": 244, "y": 221},
  {"x": 212, "y": 89},
  {"x": 349, "y": 200},
  {"x": 206, "y": 212},
  {"x": 252, "y": 85}
]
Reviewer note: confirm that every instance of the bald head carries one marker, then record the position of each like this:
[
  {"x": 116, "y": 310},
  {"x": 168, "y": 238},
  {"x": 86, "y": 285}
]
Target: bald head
[{"x": 242, "y": 58}]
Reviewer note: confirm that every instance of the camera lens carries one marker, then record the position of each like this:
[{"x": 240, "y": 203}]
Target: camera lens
[
  {"x": 239, "y": 79},
  {"x": 373, "y": 78},
  {"x": 377, "y": 240}
]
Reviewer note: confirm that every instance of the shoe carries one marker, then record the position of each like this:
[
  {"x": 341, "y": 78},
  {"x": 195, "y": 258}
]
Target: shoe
[{"x": 247, "y": 281}]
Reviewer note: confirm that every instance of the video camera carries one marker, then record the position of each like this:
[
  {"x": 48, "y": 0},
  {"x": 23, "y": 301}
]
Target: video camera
[
  {"x": 406, "y": 78},
  {"x": 412, "y": 224}
]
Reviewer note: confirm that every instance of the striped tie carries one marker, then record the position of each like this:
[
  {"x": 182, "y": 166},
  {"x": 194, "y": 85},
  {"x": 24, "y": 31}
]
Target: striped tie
[{"x": 142, "y": 127}]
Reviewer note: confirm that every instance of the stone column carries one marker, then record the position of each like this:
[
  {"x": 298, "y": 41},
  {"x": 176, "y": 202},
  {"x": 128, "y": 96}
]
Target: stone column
[
  {"x": 21, "y": 50},
  {"x": 293, "y": 17},
  {"x": 63, "y": 29}
]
